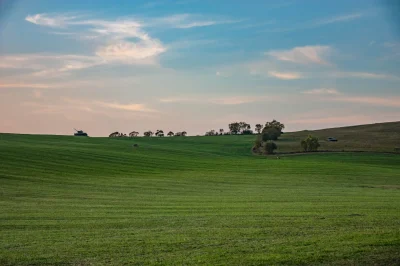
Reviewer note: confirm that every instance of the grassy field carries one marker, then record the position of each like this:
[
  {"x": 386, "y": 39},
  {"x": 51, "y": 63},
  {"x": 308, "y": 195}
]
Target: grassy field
[
  {"x": 381, "y": 137},
  {"x": 194, "y": 200}
]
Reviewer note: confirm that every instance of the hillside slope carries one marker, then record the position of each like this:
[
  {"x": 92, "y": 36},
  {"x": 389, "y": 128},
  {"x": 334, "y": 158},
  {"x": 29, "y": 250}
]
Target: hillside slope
[
  {"x": 195, "y": 200},
  {"x": 380, "y": 137}
]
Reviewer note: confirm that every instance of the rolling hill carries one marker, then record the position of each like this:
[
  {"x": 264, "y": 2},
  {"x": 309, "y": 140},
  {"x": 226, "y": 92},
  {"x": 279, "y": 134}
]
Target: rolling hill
[{"x": 199, "y": 200}]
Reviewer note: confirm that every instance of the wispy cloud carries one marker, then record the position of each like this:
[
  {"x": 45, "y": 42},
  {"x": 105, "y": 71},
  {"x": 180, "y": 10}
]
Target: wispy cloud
[
  {"x": 187, "y": 21},
  {"x": 341, "y": 120},
  {"x": 119, "y": 40},
  {"x": 26, "y": 85},
  {"x": 320, "y": 22},
  {"x": 43, "y": 65},
  {"x": 285, "y": 75},
  {"x": 126, "y": 107},
  {"x": 303, "y": 55},
  {"x": 219, "y": 100},
  {"x": 322, "y": 91},
  {"x": 51, "y": 20},
  {"x": 236, "y": 100},
  {"x": 339, "y": 18},
  {"x": 336, "y": 96},
  {"x": 93, "y": 104},
  {"x": 364, "y": 75}
]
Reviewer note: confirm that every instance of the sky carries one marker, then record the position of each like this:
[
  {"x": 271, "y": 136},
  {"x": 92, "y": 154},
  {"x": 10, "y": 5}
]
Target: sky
[{"x": 196, "y": 65}]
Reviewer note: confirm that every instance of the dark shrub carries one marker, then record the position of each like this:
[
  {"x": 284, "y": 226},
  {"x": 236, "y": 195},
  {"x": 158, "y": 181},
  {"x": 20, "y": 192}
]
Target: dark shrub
[
  {"x": 270, "y": 147},
  {"x": 310, "y": 144}
]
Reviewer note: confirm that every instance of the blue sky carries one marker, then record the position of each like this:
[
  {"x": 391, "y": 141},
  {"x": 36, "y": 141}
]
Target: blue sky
[{"x": 196, "y": 65}]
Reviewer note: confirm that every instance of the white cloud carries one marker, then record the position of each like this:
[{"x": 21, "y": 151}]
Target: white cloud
[
  {"x": 303, "y": 55},
  {"x": 131, "y": 53},
  {"x": 285, "y": 75},
  {"x": 322, "y": 91},
  {"x": 123, "y": 41},
  {"x": 339, "y": 18},
  {"x": 55, "y": 20},
  {"x": 186, "y": 21}
]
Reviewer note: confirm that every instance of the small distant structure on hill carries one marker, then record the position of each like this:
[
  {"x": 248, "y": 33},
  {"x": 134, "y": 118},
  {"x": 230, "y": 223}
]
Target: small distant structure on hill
[
  {"x": 80, "y": 133},
  {"x": 332, "y": 139}
]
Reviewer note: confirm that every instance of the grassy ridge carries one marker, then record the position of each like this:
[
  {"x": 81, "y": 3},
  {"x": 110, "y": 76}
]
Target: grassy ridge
[
  {"x": 380, "y": 137},
  {"x": 194, "y": 200}
]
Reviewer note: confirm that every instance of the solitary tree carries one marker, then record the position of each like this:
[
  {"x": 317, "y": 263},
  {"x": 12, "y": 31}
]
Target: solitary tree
[
  {"x": 273, "y": 129},
  {"x": 276, "y": 124},
  {"x": 310, "y": 144},
  {"x": 271, "y": 133},
  {"x": 184, "y": 133},
  {"x": 114, "y": 134},
  {"x": 170, "y": 134},
  {"x": 258, "y": 128},
  {"x": 159, "y": 133},
  {"x": 148, "y": 133},
  {"x": 133, "y": 134}
]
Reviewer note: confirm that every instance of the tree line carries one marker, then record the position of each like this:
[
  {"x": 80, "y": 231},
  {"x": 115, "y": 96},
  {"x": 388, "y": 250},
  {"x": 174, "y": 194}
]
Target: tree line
[
  {"x": 264, "y": 143},
  {"x": 149, "y": 133}
]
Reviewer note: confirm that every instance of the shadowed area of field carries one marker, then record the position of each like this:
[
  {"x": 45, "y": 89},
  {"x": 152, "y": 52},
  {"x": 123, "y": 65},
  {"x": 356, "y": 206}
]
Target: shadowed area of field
[{"x": 195, "y": 200}]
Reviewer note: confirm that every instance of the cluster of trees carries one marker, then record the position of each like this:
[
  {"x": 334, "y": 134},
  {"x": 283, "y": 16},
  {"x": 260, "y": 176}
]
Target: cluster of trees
[
  {"x": 272, "y": 130},
  {"x": 158, "y": 133},
  {"x": 240, "y": 128},
  {"x": 267, "y": 135},
  {"x": 234, "y": 129}
]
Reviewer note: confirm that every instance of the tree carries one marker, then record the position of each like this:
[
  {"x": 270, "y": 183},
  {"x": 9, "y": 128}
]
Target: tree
[
  {"x": 276, "y": 124},
  {"x": 270, "y": 133},
  {"x": 114, "y": 134},
  {"x": 170, "y": 134},
  {"x": 258, "y": 143},
  {"x": 270, "y": 147},
  {"x": 258, "y": 128},
  {"x": 212, "y": 132},
  {"x": 234, "y": 127},
  {"x": 148, "y": 133},
  {"x": 159, "y": 133},
  {"x": 221, "y": 131},
  {"x": 310, "y": 144},
  {"x": 273, "y": 129},
  {"x": 243, "y": 126},
  {"x": 133, "y": 134},
  {"x": 183, "y": 133}
]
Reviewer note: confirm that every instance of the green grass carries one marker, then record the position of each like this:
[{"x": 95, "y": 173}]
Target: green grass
[
  {"x": 380, "y": 137},
  {"x": 194, "y": 200}
]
